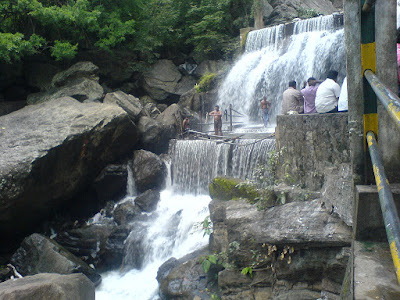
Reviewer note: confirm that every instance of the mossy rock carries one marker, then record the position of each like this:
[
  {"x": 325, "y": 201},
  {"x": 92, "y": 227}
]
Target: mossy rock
[{"x": 225, "y": 188}]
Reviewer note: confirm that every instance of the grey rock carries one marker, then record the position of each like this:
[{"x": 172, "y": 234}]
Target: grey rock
[
  {"x": 113, "y": 253},
  {"x": 148, "y": 200},
  {"x": 127, "y": 102},
  {"x": 185, "y": 84},
  {"x": 210, "y": 66},
  {"x": 184, "y": 278},
  {"x": 191, "y": 100},
  {"x": 304, "y": 222},
  {"x": 81, "y": 69},
  {"x": 148, "y": 170},
  {"x": 126, "y": 212},
  {"x": 49, "y": 287},
  {"x": 153, "y": 135},
  {"x": 82, "y": 89},
  {"x": 338, "y": 191},
  {"x": 50, "y": 151},
  {"x": 162, "y": 79},
  {"x": 171, "y": 118},
  {"x": 39, "y": 254},
  {"x": 88, "y": 241}
]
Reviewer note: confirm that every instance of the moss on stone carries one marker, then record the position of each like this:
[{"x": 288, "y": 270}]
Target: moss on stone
[{"x": 225, "y": 188}]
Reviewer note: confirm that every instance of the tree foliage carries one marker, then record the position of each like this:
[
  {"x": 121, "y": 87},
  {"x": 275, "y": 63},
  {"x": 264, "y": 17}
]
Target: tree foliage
[{"x": 148, "y": 27}]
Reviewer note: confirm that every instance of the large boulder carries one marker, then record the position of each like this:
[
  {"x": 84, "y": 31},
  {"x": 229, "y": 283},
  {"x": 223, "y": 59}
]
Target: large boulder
[
  {"x": 49, "y": 287},
  {"x": 171, "y": 118},
  {"x": 127, "y": 102},
  {"x": 82, "y": 89},
  {"x": 81, "y": 69},
  {"x": 51, "y": 151},
  {"x": 153, "y": 135},
  {"x": 149, "y": 171},
  {"x": 39, "y": 254},
  {"x": 162, "y": 80},
  {"x": 317, "y": 226}
]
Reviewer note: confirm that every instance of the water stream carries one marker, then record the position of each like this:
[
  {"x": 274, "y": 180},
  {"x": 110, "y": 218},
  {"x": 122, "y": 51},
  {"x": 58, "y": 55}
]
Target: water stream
[{"x": 278, "y": 54}]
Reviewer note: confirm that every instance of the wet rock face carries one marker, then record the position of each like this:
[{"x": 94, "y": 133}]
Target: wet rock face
[
  {"x": 149, "y": 171},
  {"x": 52, "y": 150},
  {"x": 126, "y": 212},
  {"x": 49, "y": 286},
  {"x": 39, "y": 254},
  {"x": 148, "y": 200}
]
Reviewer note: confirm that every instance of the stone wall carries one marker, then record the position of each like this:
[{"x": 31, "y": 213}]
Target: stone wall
[{"x": 314, "y": 153}]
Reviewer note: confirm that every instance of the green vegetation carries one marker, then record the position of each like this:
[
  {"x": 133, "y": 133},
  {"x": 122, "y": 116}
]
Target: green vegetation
[
  {"x": 205, "y": 83},
  {"x": 305, "y": 13},
  {"x": 147, "y": 28}
]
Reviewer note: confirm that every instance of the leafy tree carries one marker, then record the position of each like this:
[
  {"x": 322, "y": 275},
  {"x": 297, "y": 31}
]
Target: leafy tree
[{"x": 149, "y": 28}]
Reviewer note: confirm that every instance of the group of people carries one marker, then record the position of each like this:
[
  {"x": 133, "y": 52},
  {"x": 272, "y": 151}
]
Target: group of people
[{"x": 316, "y": 97}]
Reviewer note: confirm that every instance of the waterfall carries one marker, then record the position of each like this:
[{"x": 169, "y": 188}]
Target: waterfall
[
  {"x": 195, "y": 163},
  {"x": 278, "y": 54},
  {"x": 173, "y": 229}
]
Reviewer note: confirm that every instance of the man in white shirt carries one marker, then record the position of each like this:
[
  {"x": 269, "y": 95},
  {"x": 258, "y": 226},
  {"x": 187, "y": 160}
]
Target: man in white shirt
[{"x": 328, "y": 93}]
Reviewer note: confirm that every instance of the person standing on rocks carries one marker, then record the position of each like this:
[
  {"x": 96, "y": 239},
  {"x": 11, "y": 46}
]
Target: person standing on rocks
[
  {"x": 293, "y": 100},
  {"x": 265, "y": 106},
  {"x": 309, "y": 92},
  {"x": 217, "y": 114}
]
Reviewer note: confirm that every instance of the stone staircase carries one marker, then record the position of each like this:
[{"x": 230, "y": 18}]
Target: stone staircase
[{"x": 371, "y": 273}]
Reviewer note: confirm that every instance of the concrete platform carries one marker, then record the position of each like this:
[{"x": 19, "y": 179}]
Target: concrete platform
[{"x": 374, "y": 275}]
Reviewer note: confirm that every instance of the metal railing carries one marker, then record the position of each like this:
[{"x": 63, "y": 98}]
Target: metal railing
[{"x": 390, "y": 216}]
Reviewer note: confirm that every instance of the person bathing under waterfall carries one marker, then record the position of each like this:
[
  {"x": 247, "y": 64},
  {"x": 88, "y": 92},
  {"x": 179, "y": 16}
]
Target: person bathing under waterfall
[
  {"x": 265, "y": 106},
  {"x": 217, "y": 114}
]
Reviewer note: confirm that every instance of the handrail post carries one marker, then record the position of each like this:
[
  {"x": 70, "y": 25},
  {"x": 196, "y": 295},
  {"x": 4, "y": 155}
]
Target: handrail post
[
  {"x": 230, "y": 117},
  {"x": 389, "y": 210}
]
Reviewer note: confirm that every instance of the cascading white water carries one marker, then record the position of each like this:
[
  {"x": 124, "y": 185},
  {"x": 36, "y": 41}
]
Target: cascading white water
[
  {"x": 195, "y": 163},
  {"x": 172, "y": 231},
  {"x": 274, "y": 57}
]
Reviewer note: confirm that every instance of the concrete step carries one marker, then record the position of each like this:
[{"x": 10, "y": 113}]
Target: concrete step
[
  {"x": 368, "y": 224},
  {"x": 374, "y": 274}
]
